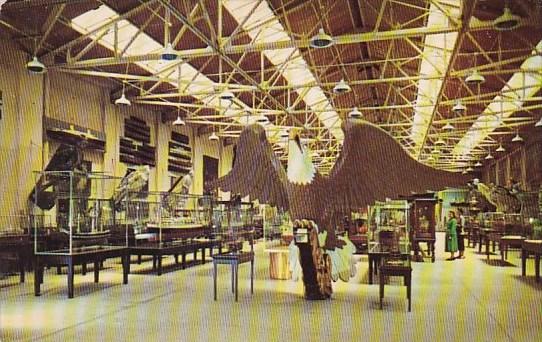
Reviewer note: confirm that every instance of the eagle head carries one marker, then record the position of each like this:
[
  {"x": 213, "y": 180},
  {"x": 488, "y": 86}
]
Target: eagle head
[{"x": 300, "y": 168}]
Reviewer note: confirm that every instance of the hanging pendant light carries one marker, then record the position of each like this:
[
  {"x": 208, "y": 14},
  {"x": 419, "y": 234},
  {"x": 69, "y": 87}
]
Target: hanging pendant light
[
  {"x": 448, "y": 127},
  {"x": 469, "y": 169},
  {"x": 355, "y": 114},
  {"x": 35, "y": 66},
  {"x": 179, "y": 121},
  {"x": 506, "y": 21},
  {"x": 341, "y": 87},
  {"x": 500, "y": 148},
  {"x": 475, "y": 78},
  {"x": 489, "y": 156},
  {"x": 517, "y": 138},
  {"x": 478, "y": 164},
  {"x": 440, "y": 142},
  {"x": 459, "y": 107},
  {"x": 122, "y": 100},
  {"x": 169, "y": 53},
  {"x": 321, "y": 40},
  {"x": 539, "y": 123},
  {"x": 213, "y": 137},
  {"x": 226, "y": 95}
]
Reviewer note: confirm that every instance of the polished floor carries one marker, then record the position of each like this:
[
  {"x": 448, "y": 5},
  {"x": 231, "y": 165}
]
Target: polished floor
[{"x": 461, "y": 300}]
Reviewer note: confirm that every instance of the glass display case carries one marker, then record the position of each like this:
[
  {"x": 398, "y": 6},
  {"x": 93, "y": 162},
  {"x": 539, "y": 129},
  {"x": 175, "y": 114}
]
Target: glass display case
[
  {"x": 233, "y": 222},
  {"x": 277, "y": 224},
  {"x": 74, "y": 210},
  {"x": 390, "y": 224},
  {"x": 163, "y": 217}
]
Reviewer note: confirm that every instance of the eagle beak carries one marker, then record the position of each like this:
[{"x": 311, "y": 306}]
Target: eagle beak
[{"x": 294, "y": 135}]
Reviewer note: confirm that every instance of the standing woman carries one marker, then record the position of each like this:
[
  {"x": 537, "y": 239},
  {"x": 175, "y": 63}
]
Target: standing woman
[{"x": 451, "y": 233}]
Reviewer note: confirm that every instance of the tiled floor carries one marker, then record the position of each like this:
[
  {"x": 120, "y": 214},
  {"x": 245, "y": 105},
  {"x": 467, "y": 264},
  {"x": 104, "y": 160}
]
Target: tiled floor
[{"x": 461, "y": 300}]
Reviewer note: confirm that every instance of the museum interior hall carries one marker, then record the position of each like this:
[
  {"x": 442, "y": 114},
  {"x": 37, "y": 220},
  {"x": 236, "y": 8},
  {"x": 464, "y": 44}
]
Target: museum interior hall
[{"x": 270, "y": 170}]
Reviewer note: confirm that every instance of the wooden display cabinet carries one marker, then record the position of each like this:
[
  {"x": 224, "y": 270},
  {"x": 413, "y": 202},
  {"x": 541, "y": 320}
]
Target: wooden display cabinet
[{"x": 423, "y": 224}]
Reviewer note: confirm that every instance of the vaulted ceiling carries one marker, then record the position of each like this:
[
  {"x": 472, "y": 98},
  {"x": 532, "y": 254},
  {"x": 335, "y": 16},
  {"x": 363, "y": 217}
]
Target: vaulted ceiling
[{"x": 406, "y": 62}]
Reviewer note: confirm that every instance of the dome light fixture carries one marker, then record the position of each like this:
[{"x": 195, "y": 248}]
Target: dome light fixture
[
  {"x": 469, "y": 169},
  {"x": 35, "y": 66},
  {"x": 169, "y": 53},
  {"x": 213, "y": 137},
  {"x": 448, "y": 127},
  {"x": 341, "y": 87},
  {"x": 539, "y": 123},
  {"x": 506, "y": 21},
  {"x": 478, "y": 164},
  {"x": 475, "y": 78},
  {"x": 355, "y": 114},
  {"x": 517, "y": 138},
  {"x": 123, "y": 100},
  {"x": 262, "y": 120},
  {"x": 489, "y": 156},
  {"x": 321, "y": 40},
  {"x": 464, "y": 172},
  {"x": 226, "y": 95},
  {"x": 459, "y": 107},
  {"x": 500, "y": 148}
]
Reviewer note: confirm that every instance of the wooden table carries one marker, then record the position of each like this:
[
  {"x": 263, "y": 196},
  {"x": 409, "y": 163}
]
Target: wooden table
[
  {"x": 531, "y": 247},
  {"x": 22, "y": 247},
  {"x": 234, "y": 259},
  {"x": 377, "y": 251},
  {"x": 507, "y": 241},
  {"x": 158, "y": 250},
  {"x": 79, "y": 256},
  {"x": 396, "y": 266}
]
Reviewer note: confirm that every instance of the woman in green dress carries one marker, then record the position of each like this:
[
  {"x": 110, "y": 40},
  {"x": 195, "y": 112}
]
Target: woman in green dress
[{"x": 451, "y": 235}]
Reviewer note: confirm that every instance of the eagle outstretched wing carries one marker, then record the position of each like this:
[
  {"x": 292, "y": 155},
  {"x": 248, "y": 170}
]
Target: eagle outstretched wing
[
  {"x": 373, "y": 166},
  {"x": 257, "y": 172}
]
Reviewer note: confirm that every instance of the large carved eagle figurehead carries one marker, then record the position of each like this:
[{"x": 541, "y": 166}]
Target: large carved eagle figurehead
[{"x": 372, "y": 166}]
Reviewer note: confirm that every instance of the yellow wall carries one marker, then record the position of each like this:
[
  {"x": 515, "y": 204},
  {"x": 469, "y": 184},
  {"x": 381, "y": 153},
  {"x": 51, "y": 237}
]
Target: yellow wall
[{"x": 83, "y": 101}]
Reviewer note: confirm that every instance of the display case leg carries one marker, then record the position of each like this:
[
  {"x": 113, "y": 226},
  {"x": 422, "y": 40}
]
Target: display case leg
[
  {"x": 232, "y": 278},
  {"x": 21, "y": 260},
  {"x": 84, "y": 268},
  {"x": 214, "y": 279},
  {"x": 371, "y": 259},
  {"x": 59, "y": 270},
  {"x": 537, "y": 267},
  {"x": 252, "y": 276},
  {"x": 381, "y": 289},
  {"x": 409, "y": 292},
  {"x": 183, "y": 260},
  {"x": 524, "y": 255},
  {"x": 38, "y": 278},
  {"x": 70, "y": 278},
  {"x": 125, "y": 268},
  {"x": 203, "y": 256},
  {"x": 236, "y": 282},
  {"x": 159, "y": 264},
  {"x": 97, "y": 271},
  {"x": 176, "y": 259}
]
